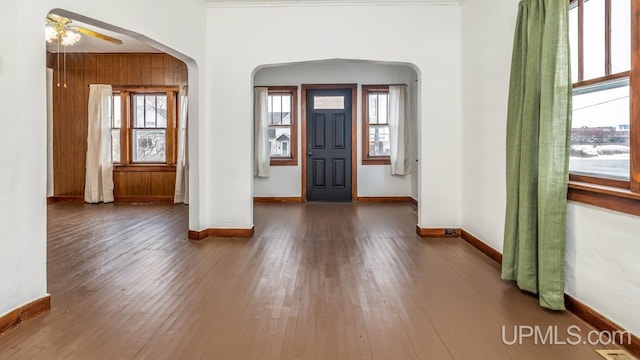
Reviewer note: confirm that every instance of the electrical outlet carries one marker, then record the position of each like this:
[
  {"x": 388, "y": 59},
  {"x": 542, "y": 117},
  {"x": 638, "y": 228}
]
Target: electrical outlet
[{"x": 450, "y": 231}]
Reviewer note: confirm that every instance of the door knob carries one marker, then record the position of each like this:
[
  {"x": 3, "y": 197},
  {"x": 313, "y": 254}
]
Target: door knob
[{"x": 310, "y": 153}]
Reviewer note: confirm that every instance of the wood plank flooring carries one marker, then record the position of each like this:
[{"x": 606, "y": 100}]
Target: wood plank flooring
[{"x": 317, "y": 281}]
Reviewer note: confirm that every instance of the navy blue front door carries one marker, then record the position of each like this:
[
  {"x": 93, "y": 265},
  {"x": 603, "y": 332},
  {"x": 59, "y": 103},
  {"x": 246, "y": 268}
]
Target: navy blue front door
[{"x": 328, "y": 144}]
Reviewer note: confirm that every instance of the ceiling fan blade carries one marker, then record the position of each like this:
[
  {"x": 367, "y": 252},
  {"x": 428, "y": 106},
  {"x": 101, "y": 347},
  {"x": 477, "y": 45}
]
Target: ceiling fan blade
[
  {"x": 98, "y": 35},
  {"x": 58, "y": 19}
]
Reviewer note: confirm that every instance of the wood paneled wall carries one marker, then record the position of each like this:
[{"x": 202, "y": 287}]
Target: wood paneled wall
[{"x": 70, "y": 116}]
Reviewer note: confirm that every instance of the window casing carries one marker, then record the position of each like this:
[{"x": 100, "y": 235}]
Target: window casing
[
  {"x": 600, "y": 34},
  {"x": 144, "y": 126},
  {"x": 283, "y": 125},
  {"x": 375, "y": 125},
  {"x": 620, "y": 73}
]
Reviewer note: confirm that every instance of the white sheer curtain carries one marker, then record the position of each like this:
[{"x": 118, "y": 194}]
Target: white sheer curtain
[
  {"x": 261, "y": 129},
  {"x": 182, "y": 162},
  {"x": 99, "y": 168},
  {"x": 399, "y": 130}
]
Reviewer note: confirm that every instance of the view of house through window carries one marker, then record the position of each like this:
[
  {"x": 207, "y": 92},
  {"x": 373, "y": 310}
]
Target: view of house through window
[
  {"x": 600, "y": 40},
  {"x": 378, "y": 116},
  {"x": 150, "y": 128},
  {"x": 282, "y": 125},
  {"x": 375, "y": 125},
  {"x": 279, "y": 124},
  {"x": 143, "y": 127}
]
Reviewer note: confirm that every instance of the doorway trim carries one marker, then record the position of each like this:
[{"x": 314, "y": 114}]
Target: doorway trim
[{"x": 354, "y": 135}]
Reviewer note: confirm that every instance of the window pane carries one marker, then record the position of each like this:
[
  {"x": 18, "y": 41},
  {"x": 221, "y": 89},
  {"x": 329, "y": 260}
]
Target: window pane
[
  {"x": 270, "y": 108},
  {"x": 115, "y": 145},
  {"x": 117, "y": 112},
  {"x": 286, "y": 109},
  {"x": 149, "y": 145},
  {"x": 383, "y": 101},
  {"x": 150, "y": 111},
  {"x": 161, "y": 111},
  {"x": 275, "y": 109},
  {"x": 600, "y": 133},
  {"x": 286, "y": 103},
  {"x": 379, "y": 140},
  {"x": 573, "y": 41},
  {"x": 277, "y": 103},
  {"x": 594, "y": 39},
  {"x": 279, "y": 140},
  {"x": 373, "y": 108},
  {"x": 620, "y": 36},
  {"x": 138, "y": 101}
]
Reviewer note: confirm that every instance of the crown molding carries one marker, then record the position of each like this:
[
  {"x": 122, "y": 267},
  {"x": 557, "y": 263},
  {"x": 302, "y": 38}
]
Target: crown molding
[{"x": 317, "y": 3}]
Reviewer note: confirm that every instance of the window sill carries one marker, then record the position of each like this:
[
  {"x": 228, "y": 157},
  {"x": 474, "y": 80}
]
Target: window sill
[
  {"x": 608, "y": 197},
  {"x": 144, "y": 168},
  {"x": 283, "y": 162},
  {"x": 376, "y": 161}
]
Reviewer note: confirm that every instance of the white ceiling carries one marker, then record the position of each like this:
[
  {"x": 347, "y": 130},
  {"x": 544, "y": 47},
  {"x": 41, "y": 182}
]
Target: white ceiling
[
  {"x": 332, "y": 2},
  {"x": 89, "y": 44}
]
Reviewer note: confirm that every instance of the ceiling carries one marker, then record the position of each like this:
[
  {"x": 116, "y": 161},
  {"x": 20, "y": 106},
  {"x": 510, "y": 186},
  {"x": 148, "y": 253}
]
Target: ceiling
[
  {"x": 89, "y": 44},
  {"x": 323, "y": 2},
  {"x": 333, "y": 2}
]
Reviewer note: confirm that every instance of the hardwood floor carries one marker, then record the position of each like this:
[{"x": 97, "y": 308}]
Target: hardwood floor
[{"x": 317, "y": 281}]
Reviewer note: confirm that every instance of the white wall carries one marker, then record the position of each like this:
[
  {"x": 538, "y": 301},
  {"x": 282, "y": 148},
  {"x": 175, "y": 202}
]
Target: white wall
[
  {"x": 487, "y": 39},
  {"x": 23, "y": 155},
  {"x": 373, "y": 180},
  {"x": 242, "y": 39},
  {"x": 603, "y": 251},
  {"x": 23, "y": 139},
  {"x": 603, "y": 262}
]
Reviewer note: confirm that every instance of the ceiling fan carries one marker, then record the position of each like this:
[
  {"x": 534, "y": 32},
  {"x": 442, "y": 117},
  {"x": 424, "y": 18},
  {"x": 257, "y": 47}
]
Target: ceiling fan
[{"x": 59, "y": 29}]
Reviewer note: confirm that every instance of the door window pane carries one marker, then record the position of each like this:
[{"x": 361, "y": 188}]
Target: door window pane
[
  {"x": 594, "y": 44},
  {"x": 328, "y": 102},
  {"x": 620, "y": 36},
  {"x": 600, "y": 131}
]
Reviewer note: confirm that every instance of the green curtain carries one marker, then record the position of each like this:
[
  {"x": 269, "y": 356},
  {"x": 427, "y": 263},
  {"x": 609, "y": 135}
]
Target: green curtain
[{"x": 538, "y": 136}]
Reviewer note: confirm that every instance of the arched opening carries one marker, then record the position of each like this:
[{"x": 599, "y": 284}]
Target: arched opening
[
  {"x": 148, "y": 82},
  {"x": 372, "y": 180}
]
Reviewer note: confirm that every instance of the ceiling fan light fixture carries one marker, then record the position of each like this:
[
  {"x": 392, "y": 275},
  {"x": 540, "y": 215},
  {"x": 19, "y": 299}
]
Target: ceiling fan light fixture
[
  {"x": 50, "y": 34},
  {"x": 70, "y": 37}
]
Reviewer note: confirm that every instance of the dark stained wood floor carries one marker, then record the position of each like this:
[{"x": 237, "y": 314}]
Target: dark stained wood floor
[{"x": 317, "y": 281}]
